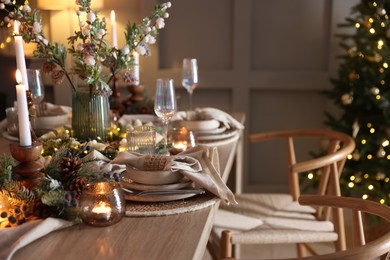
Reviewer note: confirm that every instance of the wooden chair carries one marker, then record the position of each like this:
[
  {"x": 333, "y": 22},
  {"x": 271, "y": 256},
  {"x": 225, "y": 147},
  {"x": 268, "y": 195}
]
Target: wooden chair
[
  {"x": 376, "y": 249},
  {"x": 283, "y": 219}
]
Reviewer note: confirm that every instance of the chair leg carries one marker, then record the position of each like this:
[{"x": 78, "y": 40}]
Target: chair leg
[
  {"x": 301, "y": 250},
  {"x": 226, "y": 244}
]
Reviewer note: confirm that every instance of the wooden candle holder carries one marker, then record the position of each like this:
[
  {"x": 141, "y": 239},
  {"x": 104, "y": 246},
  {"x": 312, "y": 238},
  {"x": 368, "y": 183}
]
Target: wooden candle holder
[{"x": 27, "y": 156}]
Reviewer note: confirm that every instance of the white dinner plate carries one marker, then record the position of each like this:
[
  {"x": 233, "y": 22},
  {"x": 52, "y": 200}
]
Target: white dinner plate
[
  {"x": 7, "y": 136},
  {"x": 217, "y": 137},
  {"x": 130, "y": 184},
  {"x": 218, "y": 130},
  {"x": 153, "y": 177},
  {"x": 157, "y": 198}
]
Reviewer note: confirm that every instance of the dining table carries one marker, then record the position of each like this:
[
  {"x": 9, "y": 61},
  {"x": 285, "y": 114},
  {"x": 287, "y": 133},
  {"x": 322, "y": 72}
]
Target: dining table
[{"x": 182, "y": 233}]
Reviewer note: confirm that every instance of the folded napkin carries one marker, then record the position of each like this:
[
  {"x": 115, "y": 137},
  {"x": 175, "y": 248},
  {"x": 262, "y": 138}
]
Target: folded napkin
[
  {"x": 12, "y": 239},
  {"x": 208, "y": 113},
  {"x": 193, "y": 164}
]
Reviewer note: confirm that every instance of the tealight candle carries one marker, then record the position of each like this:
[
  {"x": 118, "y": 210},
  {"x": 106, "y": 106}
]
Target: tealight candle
[
  {"x": 23, "y": 117},
  {"x": 181, "y": 139},
  {"x": 102, "y": 204},
  {"x": 114, "y": 32}
]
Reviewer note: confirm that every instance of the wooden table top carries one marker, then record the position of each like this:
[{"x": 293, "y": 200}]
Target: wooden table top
[{"x": 180, "y": 236}]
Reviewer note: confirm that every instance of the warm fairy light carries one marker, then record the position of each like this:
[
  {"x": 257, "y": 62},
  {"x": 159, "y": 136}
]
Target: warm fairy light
[
  {"x": 349, "y": 156},
  {"x": 386, "y": 17},
  {"x": 366, "y": 176},
  {"x": 369, "y": 125},
  {"x": 370, "y": 20},
  {"x": 372, "y": 30},
  {"x": 388, "y": 157},
  {"x": 357, "y": 25},
  {"x": 382, "y": 82},
  {"x": 365, "y": 196},
  {"x": 385, "y": 143},
  {"x": 381, "y": 70},
  {"x": 352, "y": 178},
  {"x": 378, "y": 97},
  {"x": 310, "y": 176},
  {"x": 387, "y": 179},
  {"x": 382, "y": 24},
  {"x": 380, "y": 43},
  {"x": 351, "y": 185},
  {"x": 372, "y": 130},
  {"x": 8, "y": 40},
  {"x": 382, "y": 201},
  {"x": 364, "y": 141},
  {"x": 385, "y": 65},
  {"x": 369, "y": 156},
  {"x": 370, "y": 187}
]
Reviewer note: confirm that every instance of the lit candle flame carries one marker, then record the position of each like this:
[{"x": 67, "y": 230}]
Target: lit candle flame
[
  {"x": 18, "y": 76},
  {"x": 113, "y": 15}
]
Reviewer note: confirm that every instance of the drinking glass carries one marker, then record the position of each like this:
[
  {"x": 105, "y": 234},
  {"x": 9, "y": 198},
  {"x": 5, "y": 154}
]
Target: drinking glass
[
  {"x": 165, "y": 106},
  {"x": 36, "y": 87},
  {"x": 190, "y": 76}
]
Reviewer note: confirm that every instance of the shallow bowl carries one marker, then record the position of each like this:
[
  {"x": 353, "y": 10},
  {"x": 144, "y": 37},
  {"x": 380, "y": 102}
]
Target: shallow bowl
[{"x": 153, "y": 177}]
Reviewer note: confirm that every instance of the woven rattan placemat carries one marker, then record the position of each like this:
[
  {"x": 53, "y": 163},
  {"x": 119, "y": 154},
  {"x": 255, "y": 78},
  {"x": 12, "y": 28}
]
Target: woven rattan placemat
[{"x": 148, "y": 209}]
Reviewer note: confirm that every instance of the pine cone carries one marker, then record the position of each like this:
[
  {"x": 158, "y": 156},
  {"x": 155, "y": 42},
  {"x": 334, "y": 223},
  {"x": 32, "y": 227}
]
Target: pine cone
[
  {"x": 69, "y": 167},
  {"x": 78, "y": 185}
]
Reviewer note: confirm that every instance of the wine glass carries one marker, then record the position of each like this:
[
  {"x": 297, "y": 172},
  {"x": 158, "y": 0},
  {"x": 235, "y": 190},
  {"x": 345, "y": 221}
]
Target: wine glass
[
  {"x": 36, "y": 87},
  {"x": 190, "y": 76},
  {"x": 165, "y": 105}
]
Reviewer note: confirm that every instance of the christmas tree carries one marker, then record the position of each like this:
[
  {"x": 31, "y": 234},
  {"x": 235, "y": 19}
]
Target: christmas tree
[{"x": 362, "y": 92}]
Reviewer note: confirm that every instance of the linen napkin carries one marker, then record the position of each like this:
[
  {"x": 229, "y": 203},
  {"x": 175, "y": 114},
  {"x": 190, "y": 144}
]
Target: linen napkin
[
  {"x": 12, "y": 239},
  {"x": 193, "y": 164},
  {"x": 208, "y": 113}
]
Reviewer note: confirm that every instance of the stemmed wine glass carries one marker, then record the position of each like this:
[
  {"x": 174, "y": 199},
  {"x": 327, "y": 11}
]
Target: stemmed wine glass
[
  {"x": 36, "y": 87},
  {"x": 165, "y": 105},
  {"x": 190, "y": 76}
]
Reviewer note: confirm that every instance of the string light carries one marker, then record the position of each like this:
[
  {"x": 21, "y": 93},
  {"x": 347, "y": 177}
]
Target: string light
[
  {"x": 371, "y": 20},
  {"x": 349, "y": 156},
  {"x": 310, "y": 176},
  {"x": 351, "y": 185},
  {"x": 369, "y": 157},
  {"x": 364, "y": 141},
  {"x": 366, "y": 176},
  {"x": 370, "y": 187},
  {"x": 372, "y": 130},
  {"x": 382, "y": 201},
  {"x": 352, "y": 178},
  {"x": 372, "y": 30},
  {"x": 357, "y": 25},
  {"x": 383, "y": 82},
  {"x": 385, "y": 143},
  {"x": 385, "y": 65},
  {"x": 365, "y": 196},
  {"x": 378, "y": 97}
]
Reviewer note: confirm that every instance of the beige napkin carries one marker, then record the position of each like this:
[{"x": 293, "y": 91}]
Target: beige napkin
[
  {"x": 12, "y": 239},
  {"x": 208, "y": 113},
  {"x": 193, "y": 164}
]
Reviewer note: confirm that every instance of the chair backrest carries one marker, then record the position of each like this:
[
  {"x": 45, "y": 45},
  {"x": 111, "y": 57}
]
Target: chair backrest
[
  {"x": 380, "y": 247},
  {"x": 329, "y": 164}
]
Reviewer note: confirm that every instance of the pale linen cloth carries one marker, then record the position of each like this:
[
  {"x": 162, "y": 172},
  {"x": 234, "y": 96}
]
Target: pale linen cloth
[
  {"x": 208, "y": 113},
  {"x": 193, "y": 164},
  {"x": 12, "y": 239}
]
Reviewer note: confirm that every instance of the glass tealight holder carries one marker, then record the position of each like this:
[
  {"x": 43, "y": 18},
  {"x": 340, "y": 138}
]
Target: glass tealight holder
[
  {"x": 141, "y": 139},
  {"x": 181, "y": 139},
  {"x": 102, "y": 204}
]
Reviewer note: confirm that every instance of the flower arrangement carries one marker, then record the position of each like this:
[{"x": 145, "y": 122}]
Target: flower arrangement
[{"x": 95, "y": 61}]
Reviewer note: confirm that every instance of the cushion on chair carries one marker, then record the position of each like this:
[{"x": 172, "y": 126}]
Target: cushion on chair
[
  {"x": 229, "y": 220},
  {"x": 285, "y": 221}
]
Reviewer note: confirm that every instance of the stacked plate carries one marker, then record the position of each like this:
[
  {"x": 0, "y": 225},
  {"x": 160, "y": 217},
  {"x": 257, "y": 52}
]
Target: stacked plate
[
  {"x": 154, "y": 186},
  {"x": 206, "y": 130}
]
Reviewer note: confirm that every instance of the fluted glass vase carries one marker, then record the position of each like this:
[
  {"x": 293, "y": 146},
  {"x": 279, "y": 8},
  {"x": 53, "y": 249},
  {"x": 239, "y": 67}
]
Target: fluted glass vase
[{"x": 90, "y": 115}]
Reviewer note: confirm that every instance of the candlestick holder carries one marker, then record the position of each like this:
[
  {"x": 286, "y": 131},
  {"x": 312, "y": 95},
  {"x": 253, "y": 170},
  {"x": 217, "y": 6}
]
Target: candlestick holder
[
  {"x": 137, "y": 93},
  {"x": 27, "y": 156},
  {"x": 102, "y": 204}
]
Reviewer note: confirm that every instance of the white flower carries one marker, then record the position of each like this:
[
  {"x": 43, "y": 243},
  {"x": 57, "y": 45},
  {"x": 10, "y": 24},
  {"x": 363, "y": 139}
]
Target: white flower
[
  {"x": 80, "y": 47},
  {"x": 147, "y": 29},
  {"x": 6, "y": 1},
  {"x": 85, "y": 31},
  {"x": 45, "y": 42},
  {"x": 89, "y": 60},
  {"x": 2, "y": 6},
  {"x": 152, "y": 39},
  {"x": 167, "y": 5},
  {"x": 26, "y": 8},
  {"x": 82, "y": 23},
  {"x": 141, "y": 50},
  {"x": 166, "y": 15},
  {"x": 6, "y": 19},
  {"x": 39, "y": 37},
  {"x": 91, "y": 17},
  {"x": 146, "y": 38},
  {"x": 160, "y": 23},
  {"x": 37, "y": 28},
  {"x": 102, "y": 32},
  {"x": 78, "y": 13},
  {"x": 126, "y": 50},
  {"x": 104, "y": 20}
]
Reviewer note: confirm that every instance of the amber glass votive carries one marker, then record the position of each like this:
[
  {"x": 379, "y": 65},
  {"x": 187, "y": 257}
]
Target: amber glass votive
[
  {"x": 102, "y": 204},
  {"x": 181, "y": 139}
]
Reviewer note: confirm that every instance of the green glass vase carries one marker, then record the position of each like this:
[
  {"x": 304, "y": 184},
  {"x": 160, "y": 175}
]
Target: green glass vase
[{"x": 90, "y": 115}]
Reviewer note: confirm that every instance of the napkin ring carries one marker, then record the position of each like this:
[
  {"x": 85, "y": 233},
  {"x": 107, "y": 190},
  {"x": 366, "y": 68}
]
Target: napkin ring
[{"x": 154, "y": 162}]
